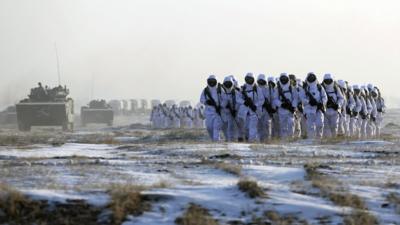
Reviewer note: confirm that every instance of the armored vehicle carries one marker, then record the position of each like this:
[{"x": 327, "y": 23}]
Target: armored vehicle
[
  {"x": 184, "y": 103},
  {"x": 144, "y": 105},
  {"x": 97, "y": 111},
  {"x": 46, "y": 107},
  {"x": 116, "y": 106},
  {"x": 155, "y": 102},
  {"x": 170, "y": 103},
  {"x": 134, "y": 106}
]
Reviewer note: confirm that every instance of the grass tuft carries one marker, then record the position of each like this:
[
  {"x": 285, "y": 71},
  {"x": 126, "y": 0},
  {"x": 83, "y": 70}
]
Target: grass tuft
[
  {"x": 251, "y": 188},
  {"x": 333, "y": 190},
  {"x": 229, "y": 168},
  {"x": 17, "y": 208},
  {"x": 358, "y": 217},
  {"x": 394, "y": 199},
  {"x": 196, "y": 215},
  {"x": 127, "y": 200},
  {"x": 273, "y": 217}
]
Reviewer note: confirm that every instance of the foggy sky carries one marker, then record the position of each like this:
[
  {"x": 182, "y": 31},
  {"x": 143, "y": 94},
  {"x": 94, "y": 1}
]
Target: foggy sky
[{"x": 166, "y": 48}]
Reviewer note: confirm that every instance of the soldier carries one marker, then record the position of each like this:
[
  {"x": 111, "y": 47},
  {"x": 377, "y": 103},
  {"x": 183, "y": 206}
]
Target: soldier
[
  {"x": 364, "y": 113},
  {"x": 298, "y": 114},
  {"x": 249, "y": 111},
  {"x": 188, "y": 111},
  {"x": 286, "y": 98},
  {"x": 355, "y": 121},
  {"x": 380, "y": 108},
  {"x": 198, "y": 118},
  {"x": 211, "y": 98},
  {"x": 275, "y": 128},
  {"x": 371, "y": 126},
  {"x": 314, "y": 100},
  {"x": 155, "y": 117},
  {"x": 40, "y": 93},
  {"x": 230, "y": 108},
  {"x": 267, "y": 110},
  {"x": 176, "y": 117},
  {"x": 334, "y": 104},
  {"x": 300, "y": 111},
  {"x": 347, "y": 108}
]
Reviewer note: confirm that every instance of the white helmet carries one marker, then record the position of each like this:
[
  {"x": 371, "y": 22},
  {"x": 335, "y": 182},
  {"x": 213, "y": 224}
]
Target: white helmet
[{"x": 261, "y": 77}]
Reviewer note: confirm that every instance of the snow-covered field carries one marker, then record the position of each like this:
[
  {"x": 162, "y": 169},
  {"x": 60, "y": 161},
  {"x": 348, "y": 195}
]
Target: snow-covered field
[{"x": 182, "y": 167}]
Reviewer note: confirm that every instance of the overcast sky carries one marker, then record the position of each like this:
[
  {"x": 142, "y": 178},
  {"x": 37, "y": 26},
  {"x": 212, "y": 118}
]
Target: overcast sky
[{"x": 167, "y": 48}]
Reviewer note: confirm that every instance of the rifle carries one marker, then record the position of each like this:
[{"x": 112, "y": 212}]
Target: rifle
[
  {"x": 363, "y": 115},
  {"x": 320, "y": 106},
  {"x": 213, "y": 103},
  {"x": 231, "y": 110},
  {"x": 300, "y": 108},
  {"x": 166, "y": 114},
  {"x": 176, "y": 114},
  {"x": 188, "y": 115},
  {"x": 233, "y": 98},
  {"x": 287, "y": 103},
  {"x": 348, "y": 111},
  {"x": 268, "y": 106},
  {"x": 249, "y": 100},
  {"x": 331, "y": 103},
  {"x": 201, "y": 115}
]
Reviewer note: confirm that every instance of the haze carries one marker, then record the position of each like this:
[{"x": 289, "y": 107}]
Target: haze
[{"x": 165, "y": 49}]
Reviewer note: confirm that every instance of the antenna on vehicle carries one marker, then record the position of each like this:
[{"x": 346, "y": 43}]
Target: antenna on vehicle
[
  {"x": 58, "y": 64},
  {"x": 92, "y": 88}
]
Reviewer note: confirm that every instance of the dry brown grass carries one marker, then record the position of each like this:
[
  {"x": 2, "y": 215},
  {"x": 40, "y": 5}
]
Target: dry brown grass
[
  {"x": 360, "y": 217},
  {"x": 229, "y": 168},
  {"x": 335, "y": 191},
  {"x": 347, "y": 199},
  {"x": 161, "y": 184},
  {"x": 15, "y": 206},
  {"x": 251, "y": 188},
  {"x": 127, "y": 200},
  {"x": 337, "y": 140},
  {"x": 332, "y": 189},
  {"x": 391, "y": 184},
  {"x": 274, "y": 218},
  {"x": 394, "y": 199},
  {"x": 19, "y": 209},
  {"x": 196, "y": 215},
  {"x": 24, "y": 139},
  {"x": 97, "y": 139}
]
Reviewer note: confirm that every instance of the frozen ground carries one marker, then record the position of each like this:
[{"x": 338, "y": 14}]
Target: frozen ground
[{"x": 84, "y": 165}]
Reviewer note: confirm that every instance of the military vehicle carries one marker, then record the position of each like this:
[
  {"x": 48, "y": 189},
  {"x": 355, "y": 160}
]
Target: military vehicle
[
  {"x": 170, "y": 103},
  {"x": 125, "y": 107},
  {"x": 116, "y": 106},
  {"x": 134, "y": 106},
  {"x": 184, "y": 103},
  {"x": 8, "y": 116},
  {"x": 46, "y": 107},
  {"x": 97, "y": 111},
  {"x": 144, "y": 104},
  {"x": 155, "y": 102}
]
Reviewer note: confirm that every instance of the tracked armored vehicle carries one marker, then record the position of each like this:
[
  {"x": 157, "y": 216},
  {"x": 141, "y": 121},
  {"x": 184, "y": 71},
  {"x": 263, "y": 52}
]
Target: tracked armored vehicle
[
  {"x": 97, "y": 111},
  {"x": 46, "y": 107}
]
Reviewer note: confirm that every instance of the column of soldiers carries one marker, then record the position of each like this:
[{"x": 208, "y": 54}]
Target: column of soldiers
[
  {"x": 287, "y": 108},
  {"x": 163, "y": 117}
]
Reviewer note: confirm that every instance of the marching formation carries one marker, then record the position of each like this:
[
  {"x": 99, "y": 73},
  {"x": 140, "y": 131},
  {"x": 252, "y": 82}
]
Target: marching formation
[
  {"x": 287, "y": 107},
  {"x": 163, "y": 117}
]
